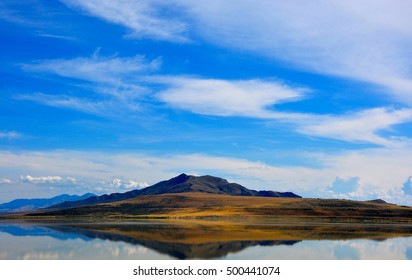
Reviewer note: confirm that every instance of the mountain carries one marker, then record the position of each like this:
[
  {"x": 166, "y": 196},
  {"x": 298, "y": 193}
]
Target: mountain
[
  {"x": 180, "y": 184},
  {"x": 208, "y": 184},
  {"x": 208, "y": 197},
  {"x": 18, "y": 205},
  {"x": 197, "y": 205}
]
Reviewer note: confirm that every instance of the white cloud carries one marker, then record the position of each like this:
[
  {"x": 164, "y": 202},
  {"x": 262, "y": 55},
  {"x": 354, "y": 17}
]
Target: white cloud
[
  {"x": 122, "y": 84},
  {"x": 99, "y": 108},
  {"x": 390, "y": 249},
  {"x": 134, "y": 184},
  {"x": 355, "y": 188},
  {"x": 5, "y": 181},
  {"x": 116, "y": 182},
  {"x": 258, "y": 99},
  {"x": 248, "y": 98},
  {"x": 130, "y": 184},
  {"x": 123, "y": 80},
  {"x": 10, "y": 135},
  {"x": 108, "y": 76},
  {"x": 113, "y": 79},
  {"x": 96, "y": 68},
  {"x": 381, "y": 171},
  {"x": 367, "y": 41},
  {"x": 55, "y": 36},
  {"x": 71, "y": 179},
  {"x": 361, "y": 126},
  {"x": 41, "y": 179},
  {"x": 11, "y": 11},
  {"x": 141, "y": 17}
]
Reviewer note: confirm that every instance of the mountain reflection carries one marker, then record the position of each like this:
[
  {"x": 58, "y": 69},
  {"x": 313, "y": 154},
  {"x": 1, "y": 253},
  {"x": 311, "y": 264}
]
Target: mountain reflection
[{"x": 201, "y": 240}]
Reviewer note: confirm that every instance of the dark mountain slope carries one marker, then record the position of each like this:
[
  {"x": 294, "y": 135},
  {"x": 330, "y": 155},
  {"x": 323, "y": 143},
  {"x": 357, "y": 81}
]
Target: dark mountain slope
[
  {"x": 180, "y": 184},
  {"x": 206, "y": 184}
]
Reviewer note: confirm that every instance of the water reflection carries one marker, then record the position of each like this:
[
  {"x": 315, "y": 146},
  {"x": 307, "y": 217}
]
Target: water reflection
[{"x": 206, "y": 240}]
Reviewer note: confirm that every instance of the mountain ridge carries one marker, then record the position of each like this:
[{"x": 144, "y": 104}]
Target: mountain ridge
[
  {"x": 208, "y": 197},
  {"x": 179, "y": 184},
  {"x": 196, "y": 205},
  {"x": 27, "y": 204}
]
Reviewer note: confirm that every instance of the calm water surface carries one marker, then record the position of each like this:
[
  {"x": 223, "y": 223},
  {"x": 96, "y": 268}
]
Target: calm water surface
[{"x": 157, "y": 240}]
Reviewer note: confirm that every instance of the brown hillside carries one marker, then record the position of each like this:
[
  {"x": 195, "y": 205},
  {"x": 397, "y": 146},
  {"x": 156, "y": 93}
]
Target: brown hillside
[{"x": 201, "y": 205}]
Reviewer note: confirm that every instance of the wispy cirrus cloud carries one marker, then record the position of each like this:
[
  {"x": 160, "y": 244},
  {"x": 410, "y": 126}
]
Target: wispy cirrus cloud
[
  {"x": 12, "y": 11},
  {"x": 367, "y": 41},
  {"x": 56, "y": 36},
  {"x": 109, "y": 71},
  {"x": 143, "y": 18},
  {"x": 105, "y": 108},
  {"x": 111, "y": 79},
  {"x": 121, "y": 83},
  {"x": 361, "y": 126},
  {"x": 10, "y": 135}
]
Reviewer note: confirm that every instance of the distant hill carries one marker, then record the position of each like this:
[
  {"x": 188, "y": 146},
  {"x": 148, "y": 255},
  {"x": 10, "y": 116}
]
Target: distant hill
[
  {"x": 379, "y": 201},
  {"x": 19, "y": 205},
  {"x": 208, "y": 184},
  {"x": 180, "y": 184}
]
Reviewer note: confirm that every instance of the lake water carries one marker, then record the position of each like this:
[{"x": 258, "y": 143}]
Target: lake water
[{"x": 202, "y": 240}]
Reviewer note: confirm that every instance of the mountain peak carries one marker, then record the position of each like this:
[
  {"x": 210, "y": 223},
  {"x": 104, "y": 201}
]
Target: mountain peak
[
  {"x": 206, "y": 184},
  {"x": 180, "y": 178}
]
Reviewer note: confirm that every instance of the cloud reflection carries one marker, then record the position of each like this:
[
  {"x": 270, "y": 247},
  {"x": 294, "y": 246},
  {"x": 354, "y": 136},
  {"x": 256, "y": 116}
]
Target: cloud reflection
[{"x": 137, "y": 241}]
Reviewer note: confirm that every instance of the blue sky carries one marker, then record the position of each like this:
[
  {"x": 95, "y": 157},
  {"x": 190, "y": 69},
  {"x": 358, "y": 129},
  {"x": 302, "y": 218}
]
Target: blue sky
[{"x": 106, "y": 96}]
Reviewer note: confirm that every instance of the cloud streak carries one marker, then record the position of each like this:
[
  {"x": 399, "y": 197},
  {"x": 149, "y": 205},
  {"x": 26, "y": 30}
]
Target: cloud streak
[
  {"x": 362, "y": 126},
  {"x": 96, "y": 68},
  {"x": 365, "y": 41},
  {"x": 142, "y": 18},
  {"x": 258, "y": 99},
  {"x": 112, "y": 80},
  {"x": 105, "y": 108},
  {"x": 10, "y": 135},
  {"x": 124, "y": 83},
  {"x": 242, "y": 98}
]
